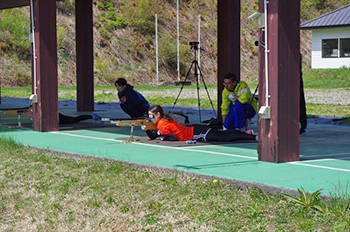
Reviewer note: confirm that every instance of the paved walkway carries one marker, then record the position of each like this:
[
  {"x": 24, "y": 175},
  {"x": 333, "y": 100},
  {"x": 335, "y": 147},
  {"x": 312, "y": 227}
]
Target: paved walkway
[{"x": 324, "y": 152}]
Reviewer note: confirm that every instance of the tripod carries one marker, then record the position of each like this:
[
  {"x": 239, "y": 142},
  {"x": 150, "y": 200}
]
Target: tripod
[{"x": 194, "y": 64}]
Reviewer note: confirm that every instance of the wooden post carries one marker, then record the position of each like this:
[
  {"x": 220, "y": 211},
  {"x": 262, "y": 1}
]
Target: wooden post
[
  {"x": 84, "y": 50},
  {"x": 45, "y": 111},
  {"x": 229, "y": 45},
  {"x": 279, "y": 135}
]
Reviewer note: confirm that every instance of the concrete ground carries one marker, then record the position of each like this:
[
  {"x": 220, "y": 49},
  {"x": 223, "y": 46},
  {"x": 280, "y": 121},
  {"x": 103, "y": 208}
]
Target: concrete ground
[{"x": 324, "y": 150}]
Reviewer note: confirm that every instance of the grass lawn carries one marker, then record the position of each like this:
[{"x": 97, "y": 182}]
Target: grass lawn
[{"x": 45, "y": 191}]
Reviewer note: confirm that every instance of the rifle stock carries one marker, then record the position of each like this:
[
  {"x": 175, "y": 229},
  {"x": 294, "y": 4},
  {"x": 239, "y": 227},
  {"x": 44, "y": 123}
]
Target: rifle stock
[
  {"x": 16, "y": 111},
  {"x": 138, "y": 122}
]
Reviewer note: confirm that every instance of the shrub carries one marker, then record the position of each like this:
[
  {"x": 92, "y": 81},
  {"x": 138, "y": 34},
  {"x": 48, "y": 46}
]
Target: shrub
[
  {"x": 12, "y": 36},
  {"x": 104, "y": 33},
  {"x": 149, "y": 38},
  {"x": 121, "y": 22},
  {"x": 168, "y": 50},
  {"x": 112, "y": 15},
  {"x": 111, "y": 25},
  {"x": 109, "y": 6},
  {"x": 61, "y": 33},
  {"x": 144, "y": 26},
  {"x": 97, "y": 24},
  {"x": 141, "y": 14},
  {"x": 103, "y": 20},
  {"x": 21, "y": 75},
  {"x": 100, "y": 6},
  {"x": 65, "y": 7}
]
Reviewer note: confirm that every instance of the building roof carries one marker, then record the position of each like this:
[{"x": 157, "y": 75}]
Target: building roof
[
  {"x": 336, "y": 18},
  {"x": 6, "y": 4}
]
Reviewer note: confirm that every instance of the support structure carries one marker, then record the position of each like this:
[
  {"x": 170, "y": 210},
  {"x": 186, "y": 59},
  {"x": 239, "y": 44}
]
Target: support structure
[
  {"x": 85, "y": 59},
  {"x": 45, "y": 111},
  {"x": 229, "y": 44},
  {"x": 279, "y": 134}
]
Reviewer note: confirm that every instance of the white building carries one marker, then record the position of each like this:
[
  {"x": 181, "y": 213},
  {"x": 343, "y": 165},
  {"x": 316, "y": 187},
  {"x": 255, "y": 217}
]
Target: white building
[{"x": 330, "y": 39}]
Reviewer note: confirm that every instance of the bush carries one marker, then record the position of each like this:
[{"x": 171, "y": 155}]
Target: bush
[
  {"x": 103, "y": 20},
  {"x": 97, "y": 24},
  {"x": 168, "y": 50},
  {"x": 61, "y": 34},
  {"x": 100, "y": 6},
  {"x": 12, "y": 36},
  {"x": 144, "y": 27},
  {"x": 121, "y": 22},
  {"x": 112, "y": 15},
  {"x": 110, "y": 25},
  {"x": 141, "y": 14},
  {"x": 65, "y": 7},
  {"x": 104, "y": 33},
  {"x": 109, "y": 6},
  {"x": 16, "y": 73}
]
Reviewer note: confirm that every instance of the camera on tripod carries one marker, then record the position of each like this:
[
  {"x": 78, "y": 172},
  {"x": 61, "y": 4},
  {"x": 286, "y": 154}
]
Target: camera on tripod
[
  {"x": 194, "y": 44},
  {"x": 197, "y": 74}
]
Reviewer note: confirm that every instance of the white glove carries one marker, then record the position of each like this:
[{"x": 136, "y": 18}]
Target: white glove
[{"x": 231, "y": 97}]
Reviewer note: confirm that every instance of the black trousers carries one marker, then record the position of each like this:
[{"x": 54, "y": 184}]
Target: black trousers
[
  {"x": 64, "y": 119},
  {"x": 220, "y": 135},
  {"x": 303, "y": 115}
]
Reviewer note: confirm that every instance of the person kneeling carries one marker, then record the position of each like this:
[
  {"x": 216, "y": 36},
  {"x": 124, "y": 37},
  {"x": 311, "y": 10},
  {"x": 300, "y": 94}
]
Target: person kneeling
[
  {"x": 131, "y": 101},
  {"x": 238, "y": 103}
]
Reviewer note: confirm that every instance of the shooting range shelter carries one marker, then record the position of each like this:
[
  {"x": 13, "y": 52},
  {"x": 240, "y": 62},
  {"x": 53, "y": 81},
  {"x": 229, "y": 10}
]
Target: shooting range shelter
[{"x": 278, "y": 134}]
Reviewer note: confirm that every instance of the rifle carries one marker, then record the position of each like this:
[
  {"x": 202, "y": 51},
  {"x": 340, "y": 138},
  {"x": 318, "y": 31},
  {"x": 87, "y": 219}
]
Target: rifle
[
  {"x": 138, "y": 122},
  {"x": 19, "y": 112},
  {"x": 16, "y": 111}
]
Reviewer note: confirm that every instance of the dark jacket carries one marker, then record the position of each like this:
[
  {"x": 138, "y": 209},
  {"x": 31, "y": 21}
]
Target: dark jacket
[{"x": 136, "y": 105}]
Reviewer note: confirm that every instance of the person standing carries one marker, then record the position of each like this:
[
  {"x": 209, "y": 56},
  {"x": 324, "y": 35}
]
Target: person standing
[{"x": 238, "y": 103}]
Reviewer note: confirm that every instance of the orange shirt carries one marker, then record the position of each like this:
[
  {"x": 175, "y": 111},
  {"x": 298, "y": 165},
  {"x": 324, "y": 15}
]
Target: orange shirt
[{"x": 182, "y": 133}]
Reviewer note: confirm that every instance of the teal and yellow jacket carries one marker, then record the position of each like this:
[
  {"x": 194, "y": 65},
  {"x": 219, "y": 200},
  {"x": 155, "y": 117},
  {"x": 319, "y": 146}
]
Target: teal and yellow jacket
[{"x": 245, "y": 96}]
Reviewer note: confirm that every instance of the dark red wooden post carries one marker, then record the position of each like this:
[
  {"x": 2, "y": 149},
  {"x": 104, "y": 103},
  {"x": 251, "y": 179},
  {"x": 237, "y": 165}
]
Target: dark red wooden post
[
  {"x": 45, "y": 111},
  {"x": 229, "y": 45},
  {"x": 85, "y": 60},
  {"x": 279, "y": 135}
]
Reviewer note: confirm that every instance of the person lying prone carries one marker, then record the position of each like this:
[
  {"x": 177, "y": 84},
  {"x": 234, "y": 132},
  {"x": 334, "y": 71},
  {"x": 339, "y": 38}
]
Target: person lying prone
[{"x": 174, "y": 131}]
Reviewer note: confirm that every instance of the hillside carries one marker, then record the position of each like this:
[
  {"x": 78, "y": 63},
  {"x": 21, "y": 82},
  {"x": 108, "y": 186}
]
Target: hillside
[{"x": 124, "y": 40}]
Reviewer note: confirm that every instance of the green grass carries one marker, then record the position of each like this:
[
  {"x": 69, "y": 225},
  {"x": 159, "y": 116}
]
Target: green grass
[
  {"x": 45, "y": 191},
  {"x": 314, "y": 110},
  {"x": 16, "y": 91},
  {"x": 327, "y": 78}
]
